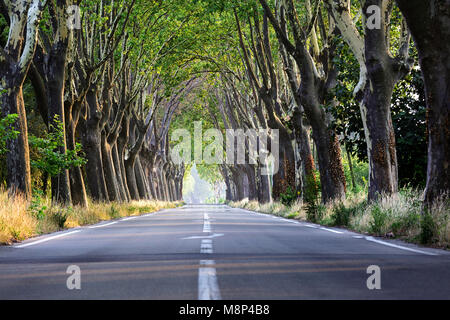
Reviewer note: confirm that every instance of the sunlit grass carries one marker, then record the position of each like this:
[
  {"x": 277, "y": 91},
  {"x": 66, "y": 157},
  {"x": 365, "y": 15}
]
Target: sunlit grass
[{"x": 20, "y": 219}]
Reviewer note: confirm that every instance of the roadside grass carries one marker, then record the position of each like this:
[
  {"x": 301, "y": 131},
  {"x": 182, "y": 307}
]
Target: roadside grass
[
  {"x": 20, "y": 220},
  {"x": 398, "y": 216}
]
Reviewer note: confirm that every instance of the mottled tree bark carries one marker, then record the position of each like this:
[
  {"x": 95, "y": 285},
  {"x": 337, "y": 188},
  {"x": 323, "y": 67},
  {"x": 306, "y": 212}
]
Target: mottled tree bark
[
  {"x": 429, "y": 22},
  {"x": 15, "y": 59}
]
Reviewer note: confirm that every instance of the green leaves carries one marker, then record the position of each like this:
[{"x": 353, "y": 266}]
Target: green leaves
[
  {"x": 7, "y": 131},
  {"x": 51, "y": 159}
]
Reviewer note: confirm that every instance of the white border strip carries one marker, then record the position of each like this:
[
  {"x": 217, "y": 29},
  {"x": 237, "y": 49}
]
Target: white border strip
[
  {"x": 46, "y": 239},
  {"x": 103, "y": 225},
  {"x": 372, "y": 239}
]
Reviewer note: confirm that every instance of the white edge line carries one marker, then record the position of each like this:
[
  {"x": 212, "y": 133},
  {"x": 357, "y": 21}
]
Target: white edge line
[
  {"x": 46, "y": 239},
  {"x": 129, "y": 218},
  {"x": 400, "y": 247},
  {"x": 331, "y": 230},
  {"x": 103, "y": 225}
]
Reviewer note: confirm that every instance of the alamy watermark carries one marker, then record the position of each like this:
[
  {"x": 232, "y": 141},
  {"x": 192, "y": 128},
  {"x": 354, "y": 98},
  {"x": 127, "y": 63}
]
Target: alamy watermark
[
  {"x": 74, "y": 280},
  {"x": 74, "y": 17},
  {"x": 374, "y": 280},
  {"x": 239, "y": 146}
]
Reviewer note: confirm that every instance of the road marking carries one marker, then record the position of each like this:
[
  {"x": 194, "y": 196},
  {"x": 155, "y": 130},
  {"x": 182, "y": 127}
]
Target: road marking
[
  {"x": 208, "y": 287},
  {"x": 129, "y": 218},
  {"x": 372, "y": 239},
  {"x": 102, "y": 225},
  {"x": 331, "y": 230},
  {"x": 46, "y": 239},
  {"x": 215, "y": 235},
  {"x": 206, "y": 246}
]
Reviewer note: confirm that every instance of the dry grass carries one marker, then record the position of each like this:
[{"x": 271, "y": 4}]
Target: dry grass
[
  {"x": 20, "y": 220},
  {"x": 398, "y": 216},
  {"x": 15, "y": 221}
]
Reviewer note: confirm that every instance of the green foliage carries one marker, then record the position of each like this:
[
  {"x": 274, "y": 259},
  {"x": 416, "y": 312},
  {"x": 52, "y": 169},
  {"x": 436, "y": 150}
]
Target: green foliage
[
  {"x": 289, "y": 197},
  {"x": 427, "y": 228},
  {"x": 50, "y": 159},
  {"x": 37, "y": 208},
  {"x": 341, "y": 215},
  {"x": 311, "y": 197},
  {"x": 361, "y": 175},
  {"x": 60, "y": 217},
  {"x": 379, "y": 218},
  {"x": 7, "y": 131},
  {"x": 113, "y": 212},
  {"x": 409, "y": 120}
]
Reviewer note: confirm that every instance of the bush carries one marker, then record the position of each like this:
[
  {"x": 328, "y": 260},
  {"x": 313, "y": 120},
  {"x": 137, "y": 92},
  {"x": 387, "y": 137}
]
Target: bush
[
  {"x": 60, "y": 217},
  {"x": 379, "y": 218},
  {"x": 428, "y": 228},
  {"x": 113, "y": 212},
  {"x": 289, "y": 197},
  {"x": 341, "y": 215}
]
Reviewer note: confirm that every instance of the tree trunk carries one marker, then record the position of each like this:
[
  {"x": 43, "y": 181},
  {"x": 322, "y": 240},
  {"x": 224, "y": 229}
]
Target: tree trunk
[
  {"x": 109, "y": 171},
  {"x": 131, "y": 180},
  {"x": 18, "y": 155},
  {"x": 91, "y": 137},
  {"x": 77, "y": 186},
  {"x": 263, "y": 186},
  {"x": 141, "y": 180},
  {"x": 350, "y": 164},
  {"x": 118, "y": 168},
  {"x": 55, "y": 76},
  {"x": 429, "y": 23}
]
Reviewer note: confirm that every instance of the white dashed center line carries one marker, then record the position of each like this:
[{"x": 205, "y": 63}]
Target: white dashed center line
[{"x": 208, "y": 287}]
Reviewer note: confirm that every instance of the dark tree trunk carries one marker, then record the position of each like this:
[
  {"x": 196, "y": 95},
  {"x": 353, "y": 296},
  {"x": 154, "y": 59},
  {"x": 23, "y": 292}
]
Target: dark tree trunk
[
  {"x": 332, "y": 176},
  {"x": 77, "y": 185},
  {"x": 376, "y": 111},
  {"x": 91, "y": 137},
  {"x": 120, "y": 178},
  {"x": 131, "y": 180},
  {"x": 429, "y": 22},
  {"x": 18, "y": 155},
  {"x": 380, "y": 140},
  {"x": 109, "y": 171},
  {"x": 350, "y": 164},
  {"x": 251, "y": 178},
  {"x": 55, "y": 76},
  {"x": 141, "y": 180},
  {"x": 263, "y": 186}
]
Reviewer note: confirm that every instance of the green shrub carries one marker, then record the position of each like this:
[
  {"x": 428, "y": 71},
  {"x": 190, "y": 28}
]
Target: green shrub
[
  {"x": 379, "y": 218},
  {"x": 341, "y": 215},
  {"x": 60, "y": 218},
  {"x": 405, "y": 223},
  {"x": 427, "y": 228},
  {"x": 289, "y": 197},
  {"x": 113, "y": 212},
  {"x": 7, "y": 131},
  {"x": 50, "y": 159}
]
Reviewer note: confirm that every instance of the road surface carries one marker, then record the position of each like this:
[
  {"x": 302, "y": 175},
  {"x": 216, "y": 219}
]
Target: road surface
[{"x": 217, "y": 252}]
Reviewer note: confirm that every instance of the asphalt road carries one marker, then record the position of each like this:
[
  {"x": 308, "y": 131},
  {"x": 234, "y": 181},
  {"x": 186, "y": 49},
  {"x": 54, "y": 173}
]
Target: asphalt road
[{"x": 216, "y": 252}]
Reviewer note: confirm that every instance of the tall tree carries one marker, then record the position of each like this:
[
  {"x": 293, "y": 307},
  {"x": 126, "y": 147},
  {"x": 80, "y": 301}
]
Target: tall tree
[
  {"x": 15, "y": 59},
  {"x": 379, "y": 73},
  {"x": 429, "y": 22},
  {"x": 318, "y": 78}
]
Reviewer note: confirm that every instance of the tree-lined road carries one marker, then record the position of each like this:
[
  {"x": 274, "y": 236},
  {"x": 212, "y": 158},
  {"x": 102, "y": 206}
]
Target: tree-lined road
[{"x": 216, "y": 252}]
